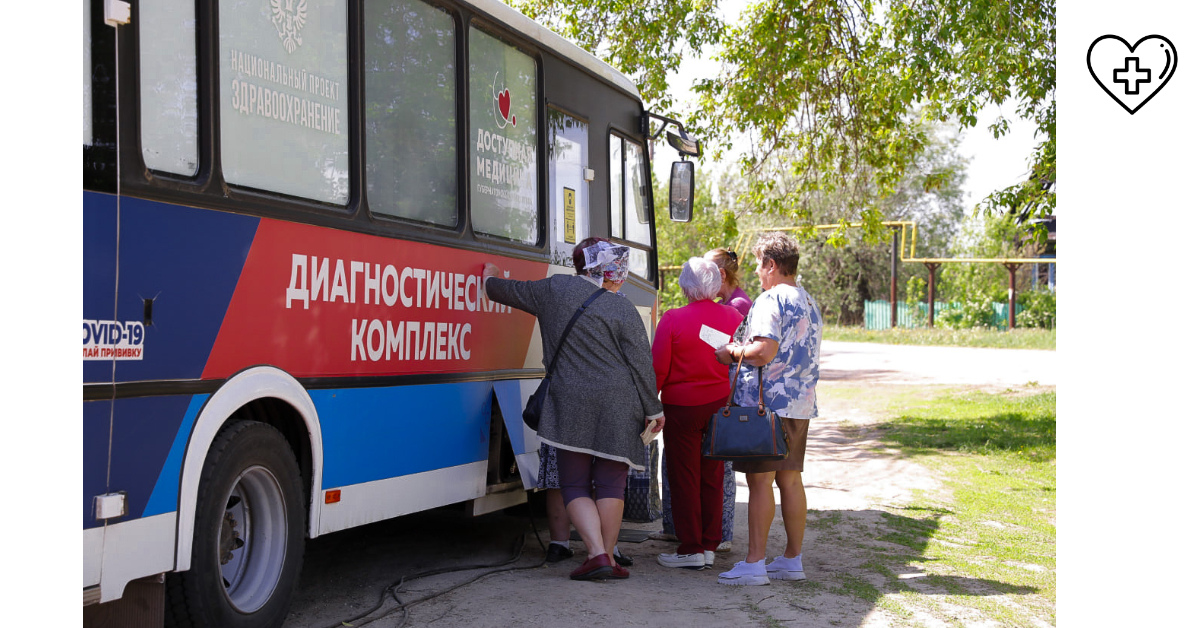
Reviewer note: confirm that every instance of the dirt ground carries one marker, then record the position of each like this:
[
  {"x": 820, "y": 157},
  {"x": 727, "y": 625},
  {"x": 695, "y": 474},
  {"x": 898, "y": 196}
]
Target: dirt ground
[{"x": 849, "y": 480}]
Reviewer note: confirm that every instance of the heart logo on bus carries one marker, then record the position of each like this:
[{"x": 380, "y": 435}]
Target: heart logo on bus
[
  {"x": 503, "y": 105},
  {"x": 503, "y": 100}
]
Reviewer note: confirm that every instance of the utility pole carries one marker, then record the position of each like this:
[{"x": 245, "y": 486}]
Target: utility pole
[{"x": 895, "y": 254}]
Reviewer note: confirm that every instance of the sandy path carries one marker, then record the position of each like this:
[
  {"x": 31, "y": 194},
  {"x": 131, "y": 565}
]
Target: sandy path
[{"x": 849, "y": 479}]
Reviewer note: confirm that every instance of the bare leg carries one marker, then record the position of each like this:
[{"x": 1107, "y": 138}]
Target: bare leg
[
  {"x": 586, "y": 519},
  {"x": 611, "y": 512},
  {"x": 795, "y": 510},
  {"x": 760, "y": 512},
  {"x": 556, "y": 513}
]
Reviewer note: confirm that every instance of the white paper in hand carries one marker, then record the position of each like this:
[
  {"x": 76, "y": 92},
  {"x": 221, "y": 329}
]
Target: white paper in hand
[{"x": 712, "y": 337}]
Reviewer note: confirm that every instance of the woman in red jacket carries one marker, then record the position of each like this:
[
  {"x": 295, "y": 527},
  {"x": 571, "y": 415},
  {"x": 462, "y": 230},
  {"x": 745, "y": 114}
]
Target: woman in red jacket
[{"x": 693, "y": 387}]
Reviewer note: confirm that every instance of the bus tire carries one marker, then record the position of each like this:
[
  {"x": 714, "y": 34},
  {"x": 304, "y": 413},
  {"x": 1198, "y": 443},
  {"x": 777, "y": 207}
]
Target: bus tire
[{"x": 248, "y": 541}]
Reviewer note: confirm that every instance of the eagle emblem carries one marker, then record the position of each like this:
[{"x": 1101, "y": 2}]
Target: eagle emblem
[{"x": 289, "y": 16}]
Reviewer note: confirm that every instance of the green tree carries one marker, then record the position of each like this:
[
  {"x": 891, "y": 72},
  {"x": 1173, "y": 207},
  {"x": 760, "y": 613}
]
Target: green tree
[
  {"x": 853, "y": 265},
  {"x": 710, "y": 228},
  {"x": 835, "y": 93}
]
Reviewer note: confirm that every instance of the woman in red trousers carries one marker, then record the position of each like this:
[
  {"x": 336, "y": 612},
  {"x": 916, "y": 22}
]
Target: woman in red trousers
[{"x": 693, "y": 387}]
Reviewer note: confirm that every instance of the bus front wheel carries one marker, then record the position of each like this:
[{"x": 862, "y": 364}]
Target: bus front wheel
[{"x": 248, "y": 540}]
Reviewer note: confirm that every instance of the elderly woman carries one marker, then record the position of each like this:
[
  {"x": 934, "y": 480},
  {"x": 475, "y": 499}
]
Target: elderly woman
[
  {"x": 783, "y": 339},
  {"x": 600, "y": 397},
  {"x": 731, "y": 292},
  {"x": 693, "y": 387}
]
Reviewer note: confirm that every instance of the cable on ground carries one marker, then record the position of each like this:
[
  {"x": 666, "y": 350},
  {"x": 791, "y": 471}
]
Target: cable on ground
[{"x": 393, "y": 589}]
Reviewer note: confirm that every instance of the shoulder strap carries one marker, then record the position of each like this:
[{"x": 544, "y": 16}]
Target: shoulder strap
[
  {"x": 567, "y": 329},
  {"x": 733, "y": 385}
]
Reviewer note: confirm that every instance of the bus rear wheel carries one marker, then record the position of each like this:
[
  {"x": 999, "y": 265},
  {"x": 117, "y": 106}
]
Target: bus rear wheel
[{"x": 248, "y": 540}]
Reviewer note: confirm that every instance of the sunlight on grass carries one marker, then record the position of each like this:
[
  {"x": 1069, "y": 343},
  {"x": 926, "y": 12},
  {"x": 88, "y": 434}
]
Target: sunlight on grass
[
  {"x": 982, "y": 549},
  {"x": 987, "y": 338}
]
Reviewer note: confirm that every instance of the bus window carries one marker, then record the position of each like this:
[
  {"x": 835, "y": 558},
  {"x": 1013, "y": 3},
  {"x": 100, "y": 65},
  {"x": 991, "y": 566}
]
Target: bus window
[
  {"x": 616, "y": 189},
  {"x": 503, "y": 140},
  {"x": 167, "y": 63},
  {"x": 284, "y": 119},
  {"x": 87, "y": 72},
  {"x": 568, "y": 189},
  {"x": 411, "y": 112},
  {"x": 628, "y": 202},
  {"x": 637, "y": 219}
]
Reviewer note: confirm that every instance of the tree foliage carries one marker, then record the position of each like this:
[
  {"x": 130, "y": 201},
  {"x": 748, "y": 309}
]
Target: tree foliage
[
  {"x": 842, "y": 266},
  {"x": 711, "y": 227},
  {"x": 834, "y": 94}
]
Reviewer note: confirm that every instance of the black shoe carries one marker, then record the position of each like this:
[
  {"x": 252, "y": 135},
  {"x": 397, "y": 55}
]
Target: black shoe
[
  {"x": 557, "y": 553},
  {"x": 622, "y": 559}
]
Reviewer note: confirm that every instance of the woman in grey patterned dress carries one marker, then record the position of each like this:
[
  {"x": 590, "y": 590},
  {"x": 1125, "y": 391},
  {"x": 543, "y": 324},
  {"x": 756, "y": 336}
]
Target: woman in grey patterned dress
[{"x": 602, "y": 394}]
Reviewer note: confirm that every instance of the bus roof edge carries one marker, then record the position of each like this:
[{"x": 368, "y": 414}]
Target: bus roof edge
[{"x": 555, "y": 42}]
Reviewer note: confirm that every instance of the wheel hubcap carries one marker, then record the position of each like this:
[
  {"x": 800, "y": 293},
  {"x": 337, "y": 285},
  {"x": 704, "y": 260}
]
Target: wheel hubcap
[{"x": 253, "y": 539}]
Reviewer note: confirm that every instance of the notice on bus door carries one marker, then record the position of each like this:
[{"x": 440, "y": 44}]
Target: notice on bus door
[{"x": 569, "y": 215}]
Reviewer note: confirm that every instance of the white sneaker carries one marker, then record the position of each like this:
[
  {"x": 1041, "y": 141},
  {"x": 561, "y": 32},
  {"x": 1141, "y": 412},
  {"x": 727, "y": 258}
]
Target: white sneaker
[
  {"x": 744, "y": 573},
  {"x": 709, "y": 557},
  {"x": 786, "y": 568},
  {"x": 725, "y": 546},
  {"x": 689, "y": 561}
]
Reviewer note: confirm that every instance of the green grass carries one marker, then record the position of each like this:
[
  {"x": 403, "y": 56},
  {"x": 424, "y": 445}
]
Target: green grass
[
  {"x": 989, "y": 338},
  {"x": 989, "y": 532}
]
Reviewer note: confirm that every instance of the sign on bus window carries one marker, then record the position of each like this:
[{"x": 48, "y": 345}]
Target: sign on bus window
[
  {"x": 503, "y": 140},
  {"x": 411, "y": 111},
  {"x": 284, "y": 120},
  {"x": 167, "y": 60}
]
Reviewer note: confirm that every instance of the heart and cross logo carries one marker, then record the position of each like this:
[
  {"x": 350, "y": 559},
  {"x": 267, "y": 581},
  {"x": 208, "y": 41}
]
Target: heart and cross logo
[{"x": 1132, "y": 75}]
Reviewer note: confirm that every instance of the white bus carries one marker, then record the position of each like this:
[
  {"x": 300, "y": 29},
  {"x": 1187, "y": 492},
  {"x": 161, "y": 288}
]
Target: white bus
[{"x": 287, "y": 205}]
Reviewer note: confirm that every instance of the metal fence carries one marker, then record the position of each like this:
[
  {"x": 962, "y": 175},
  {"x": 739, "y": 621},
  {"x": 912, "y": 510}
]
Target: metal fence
[{"x": 878, "y": 314}]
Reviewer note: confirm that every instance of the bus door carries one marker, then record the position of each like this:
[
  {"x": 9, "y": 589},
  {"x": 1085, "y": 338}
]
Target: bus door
[
  {"x": 569, "y": 180},
  {"x": 567, "y": 200},
  {"x": 100, "y": 334}
]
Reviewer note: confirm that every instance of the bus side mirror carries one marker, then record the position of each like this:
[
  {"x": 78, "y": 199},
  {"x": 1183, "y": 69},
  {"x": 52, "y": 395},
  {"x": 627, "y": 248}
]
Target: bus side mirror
[{"x": 681, "y": 190}]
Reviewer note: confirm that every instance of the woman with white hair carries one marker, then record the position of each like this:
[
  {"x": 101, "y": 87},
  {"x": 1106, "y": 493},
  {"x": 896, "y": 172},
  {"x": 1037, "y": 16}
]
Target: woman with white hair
[{"x": 693, "y": 387}]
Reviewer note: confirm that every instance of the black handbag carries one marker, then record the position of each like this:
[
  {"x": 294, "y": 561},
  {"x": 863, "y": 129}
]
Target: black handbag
[
  {"x": 532, "y": 415},
  {"x": 739, "y": 433}
]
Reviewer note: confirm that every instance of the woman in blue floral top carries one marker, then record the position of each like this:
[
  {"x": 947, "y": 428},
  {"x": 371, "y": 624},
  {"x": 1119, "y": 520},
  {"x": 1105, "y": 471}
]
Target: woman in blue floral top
[{"x": 782, "y": 337}]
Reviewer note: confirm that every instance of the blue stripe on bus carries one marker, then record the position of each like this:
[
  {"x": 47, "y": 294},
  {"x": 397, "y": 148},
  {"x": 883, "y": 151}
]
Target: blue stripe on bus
[
  {"x": 368, "y": 433},
  {"x": 377, "y": 433},
  {"x": 165, "y": 496},
  {"x": 99, "y": 274},
  {"x": 144, "y": 429},
  {"x": 508, "y": 396},
  {"x": 188, "y": 260}
]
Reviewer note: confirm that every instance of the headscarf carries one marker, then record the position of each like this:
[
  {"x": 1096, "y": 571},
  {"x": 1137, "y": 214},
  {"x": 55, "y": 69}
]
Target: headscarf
[{"x": 604, "y": 260}]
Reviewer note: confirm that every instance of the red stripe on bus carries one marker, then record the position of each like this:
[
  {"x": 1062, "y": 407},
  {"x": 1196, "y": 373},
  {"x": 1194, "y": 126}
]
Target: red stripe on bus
[{"x": 338, "y": 323}]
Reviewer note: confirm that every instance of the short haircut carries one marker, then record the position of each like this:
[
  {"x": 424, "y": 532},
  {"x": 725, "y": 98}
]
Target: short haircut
[
  {"x": 779, "y": 248},
  {"x": 727, "y": 261},
  {"x": 577, "y": 253},
  {"x": 700, "y": 279}
]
